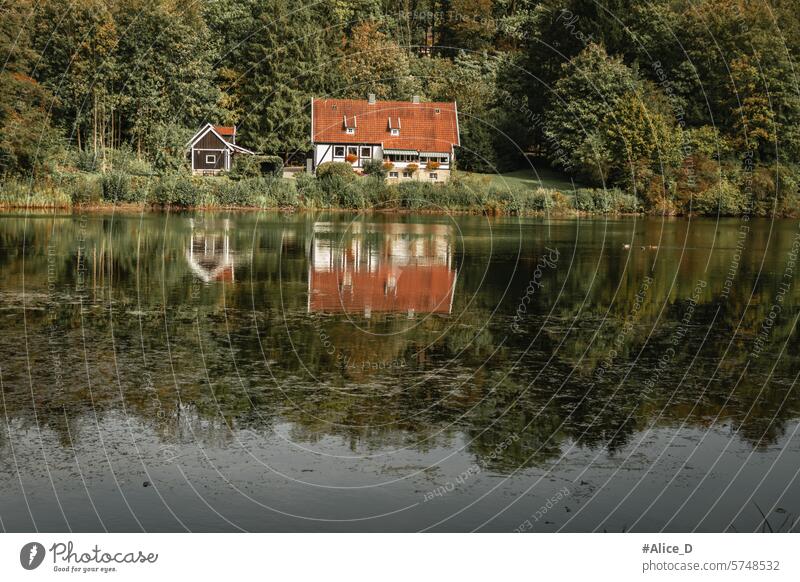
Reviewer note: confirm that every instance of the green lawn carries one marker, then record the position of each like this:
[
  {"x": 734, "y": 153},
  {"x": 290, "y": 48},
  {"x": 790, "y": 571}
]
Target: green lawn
[{"x": 541, "y": 178}]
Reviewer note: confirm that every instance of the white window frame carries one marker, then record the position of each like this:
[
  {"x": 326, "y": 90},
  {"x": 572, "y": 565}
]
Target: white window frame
[
  {"x": 335, "y": 155},
  {"x": 367, "y": 149},
  {"x": 394, "y": 131},
  {"x": 213, "y": 158},
  {"x": 407, "y": 173},
  {"x": 394, "y": 175},
  {"x": 433, "y": 176},
  {"x": 351, "y": 130}
]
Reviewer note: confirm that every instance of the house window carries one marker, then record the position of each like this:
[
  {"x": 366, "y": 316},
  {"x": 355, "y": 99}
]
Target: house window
[
  {"x": 366, "y": 152},
  {"x": 437, "y": 110},
  {"x": 433, "y": 176},
  {"x": 351, "y": 130},
  {"x": 352, "y": 151},
  {"x": 211, "y": 159},
  {"x": 393, "y": 174},
  {"x": 401, "y": 157},
  {"x": 406, "y": 174},
  {"x": 338, "y": 151},
  {"x": 395, "y": 132},
  {"x": 444, "y": 159}
]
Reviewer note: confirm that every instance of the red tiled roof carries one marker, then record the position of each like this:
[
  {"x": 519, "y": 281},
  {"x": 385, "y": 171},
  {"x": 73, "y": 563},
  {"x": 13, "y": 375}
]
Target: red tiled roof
[
  {"x": 225, "y": 130},
  {"x": 421, "y": 128},
  {"x": 422, "y": 289}
]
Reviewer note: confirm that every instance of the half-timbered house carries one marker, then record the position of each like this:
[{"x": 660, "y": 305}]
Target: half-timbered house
[{"x": 413, "y": 139}]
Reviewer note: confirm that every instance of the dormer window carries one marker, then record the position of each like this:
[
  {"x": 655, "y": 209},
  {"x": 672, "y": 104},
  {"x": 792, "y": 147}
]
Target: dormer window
[
  {"x": 437, "y": 110},
  {"x": 348, "y": 127},
  {"x": 394, "y": 127},
  {"x": 395, "y": 131}
]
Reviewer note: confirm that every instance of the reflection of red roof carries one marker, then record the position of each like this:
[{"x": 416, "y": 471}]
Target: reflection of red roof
[
  {"x": 422, "y": 289},
  {"x": 225, "y": 275},
  {"x": 421, "y": 127},
  {"x": 225, "y": 130}
]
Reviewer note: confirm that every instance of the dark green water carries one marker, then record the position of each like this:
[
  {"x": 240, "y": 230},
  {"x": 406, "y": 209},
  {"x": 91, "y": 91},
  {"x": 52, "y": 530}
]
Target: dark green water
[{"x": 332, "y": 372}]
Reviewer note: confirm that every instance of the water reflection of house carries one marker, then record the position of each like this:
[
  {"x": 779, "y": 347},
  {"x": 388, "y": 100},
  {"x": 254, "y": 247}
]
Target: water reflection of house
[
  {"x": 210, "y": 255},
  {"x": 382, "y": 268}
]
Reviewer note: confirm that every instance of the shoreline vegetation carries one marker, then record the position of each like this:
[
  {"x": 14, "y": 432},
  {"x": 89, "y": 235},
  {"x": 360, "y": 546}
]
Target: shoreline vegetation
[
  {"x": 97, "y": 103},
  {"x": 465, "y": 193}
]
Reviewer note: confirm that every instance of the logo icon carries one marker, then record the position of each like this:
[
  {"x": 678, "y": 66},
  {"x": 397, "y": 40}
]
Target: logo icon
[{"x": 31, "y": 555}]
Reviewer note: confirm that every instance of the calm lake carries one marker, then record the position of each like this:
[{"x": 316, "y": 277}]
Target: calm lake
[{"x": 341, "y": 372}]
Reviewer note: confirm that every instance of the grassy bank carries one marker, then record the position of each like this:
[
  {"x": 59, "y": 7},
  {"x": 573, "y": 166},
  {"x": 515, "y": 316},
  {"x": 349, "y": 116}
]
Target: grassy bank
[
  {"x": 517, "y": 194},
  {"x": 462, "y": 194}
]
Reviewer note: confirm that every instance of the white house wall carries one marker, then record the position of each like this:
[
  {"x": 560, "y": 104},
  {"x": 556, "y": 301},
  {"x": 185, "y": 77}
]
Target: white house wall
[{"x": 323, "y": 152}]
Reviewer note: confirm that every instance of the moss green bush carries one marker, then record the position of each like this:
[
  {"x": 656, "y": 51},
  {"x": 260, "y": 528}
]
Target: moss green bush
[
  {"x": 375, "y": 168},
  {"x": 338, "y": 169},
  {"x": 247, "y": 166},
  {"x": 723, "y": 198}
]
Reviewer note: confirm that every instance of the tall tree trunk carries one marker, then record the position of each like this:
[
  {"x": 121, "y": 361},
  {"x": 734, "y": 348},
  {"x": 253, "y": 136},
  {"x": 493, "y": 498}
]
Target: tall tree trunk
[{"x": 94, "y": 123}]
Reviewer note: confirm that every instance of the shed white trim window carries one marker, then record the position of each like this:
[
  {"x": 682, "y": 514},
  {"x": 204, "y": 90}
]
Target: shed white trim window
[
  {"x": 338, "y": 151},
  {"x": 211, "y": 158}
]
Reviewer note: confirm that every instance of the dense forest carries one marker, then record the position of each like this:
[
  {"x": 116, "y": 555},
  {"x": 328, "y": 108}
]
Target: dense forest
[{"x": 686, "y": 104}]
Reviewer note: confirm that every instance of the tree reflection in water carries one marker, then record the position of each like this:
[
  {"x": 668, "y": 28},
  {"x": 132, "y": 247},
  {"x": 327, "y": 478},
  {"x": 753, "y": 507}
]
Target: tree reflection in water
[{"x": 393, "y": 332}]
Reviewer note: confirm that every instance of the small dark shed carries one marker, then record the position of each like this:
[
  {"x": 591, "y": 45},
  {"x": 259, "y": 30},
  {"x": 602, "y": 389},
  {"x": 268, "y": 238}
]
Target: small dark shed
[{"x": 212, "y": 148}]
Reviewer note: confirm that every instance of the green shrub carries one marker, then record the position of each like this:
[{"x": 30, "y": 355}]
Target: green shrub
[
  {"x": 375, "y": 168},
  {"x": 337, "y": 169},
  {"x": 626, "y": 203},
  {"x": 584, "y": 199},
  {"x": 309, "y": 191},
  {"x": 788, "y": 190},
  {"x": 247, "y": 166},
  {"x": 284, "y": 193},
  {"x": 82, "y": 188},
  {"x": 722, "y": 198},
  {"x": 271, "y": 166},
  {"x": 87, "y": 161},
  {"x": 116, "y": 187}
]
